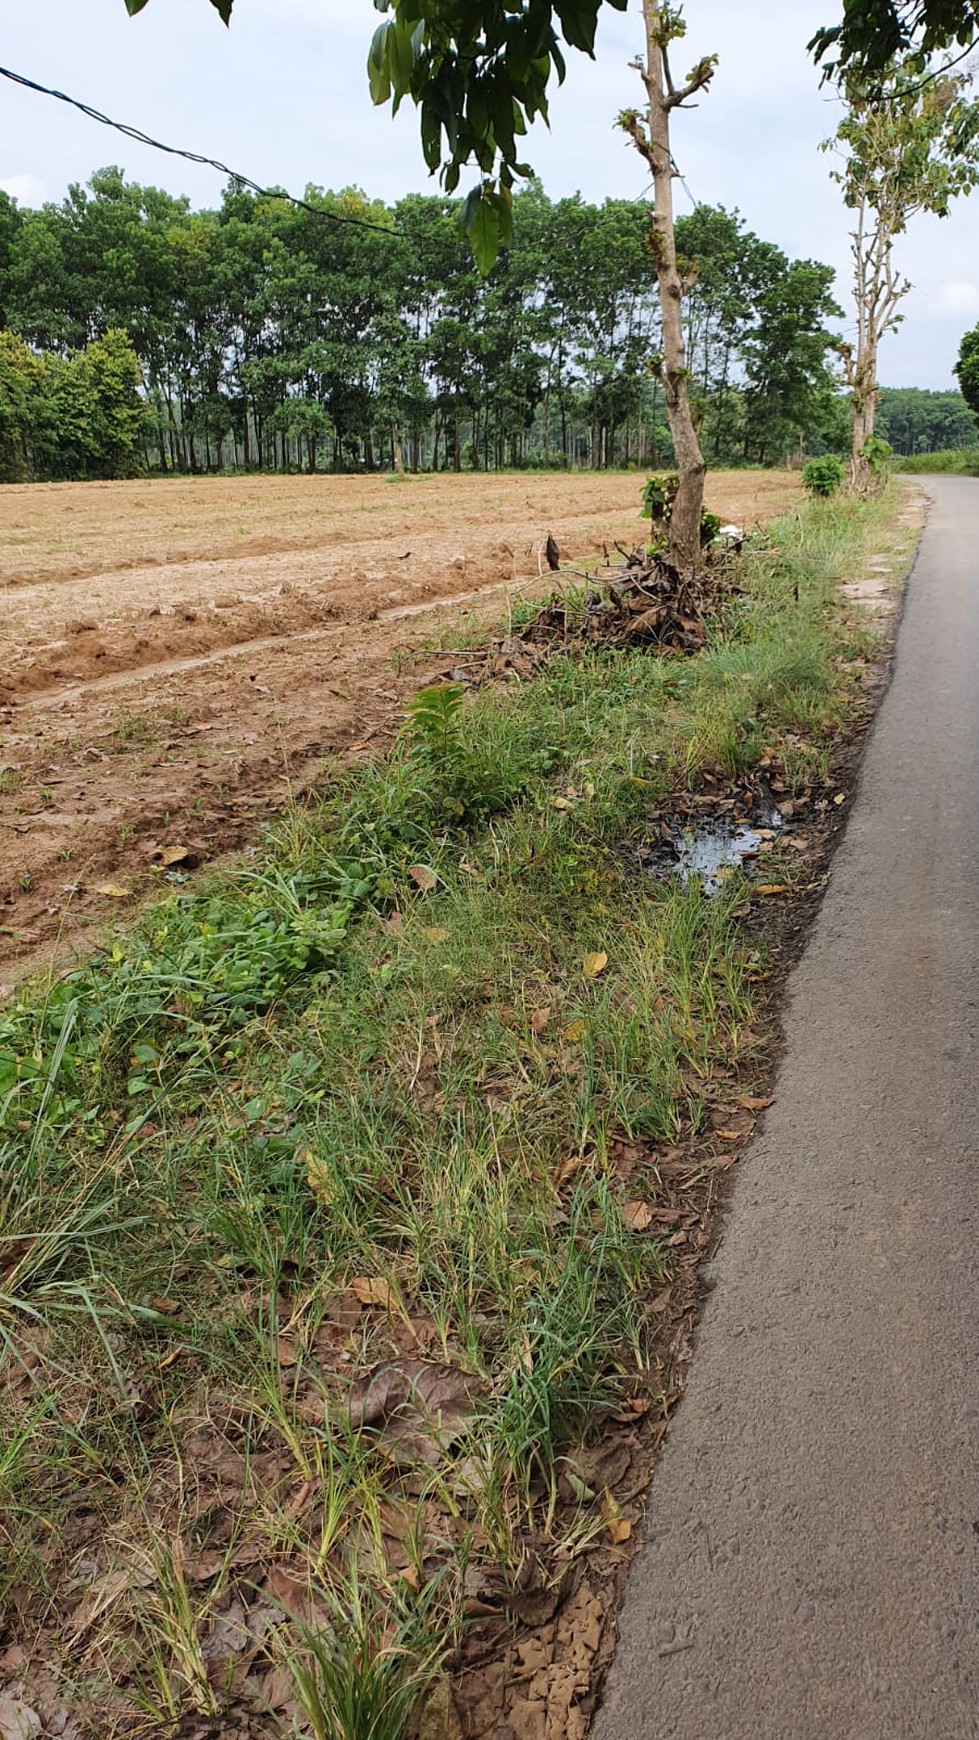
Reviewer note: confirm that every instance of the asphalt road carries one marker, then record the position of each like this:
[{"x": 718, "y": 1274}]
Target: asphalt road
[{"x": 811, "y": 1562}]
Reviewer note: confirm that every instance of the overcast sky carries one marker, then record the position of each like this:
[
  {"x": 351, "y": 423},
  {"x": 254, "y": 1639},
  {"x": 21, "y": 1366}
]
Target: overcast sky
[{"x": 282, "y": 96}]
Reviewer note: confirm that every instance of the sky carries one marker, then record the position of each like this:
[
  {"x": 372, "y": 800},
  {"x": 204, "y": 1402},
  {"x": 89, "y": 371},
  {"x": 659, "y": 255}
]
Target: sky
[{"x": 282, "y": 97}]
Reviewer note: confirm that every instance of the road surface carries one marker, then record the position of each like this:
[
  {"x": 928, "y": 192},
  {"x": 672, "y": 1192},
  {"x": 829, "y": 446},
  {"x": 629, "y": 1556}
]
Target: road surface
[{"x": 811, "y": 1562}]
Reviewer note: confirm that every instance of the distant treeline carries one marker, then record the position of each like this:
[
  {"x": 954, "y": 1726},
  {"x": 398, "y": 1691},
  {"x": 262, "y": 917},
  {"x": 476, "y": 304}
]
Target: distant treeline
[
  {"x": 269, "y": 336},
  {"x": 142, "y": 334},
  {"x": 916, "y": 421}
]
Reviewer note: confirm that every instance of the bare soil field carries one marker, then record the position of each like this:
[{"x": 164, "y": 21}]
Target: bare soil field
[{"x": 178, "y": 657}]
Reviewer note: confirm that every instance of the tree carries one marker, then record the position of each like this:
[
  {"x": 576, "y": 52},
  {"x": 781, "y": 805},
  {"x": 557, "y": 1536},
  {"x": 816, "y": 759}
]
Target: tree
[
  {"x": 915, "y": 420},
  {"x": 875, "y": 33},
  {"x": 664, "y": 26},
  {"x": 908, "y": 147},
  {"x": 967, "y": 370},
  {"x": 789, "y": 386},
  {"x": 479, "y": 74}
]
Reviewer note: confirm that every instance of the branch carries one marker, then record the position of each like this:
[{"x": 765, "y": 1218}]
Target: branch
[{"x": 698, "y": 80}]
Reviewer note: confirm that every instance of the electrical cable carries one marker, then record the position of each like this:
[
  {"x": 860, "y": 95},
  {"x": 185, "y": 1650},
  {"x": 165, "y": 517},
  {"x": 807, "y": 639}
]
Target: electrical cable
[{"x": 141, "y": 138}]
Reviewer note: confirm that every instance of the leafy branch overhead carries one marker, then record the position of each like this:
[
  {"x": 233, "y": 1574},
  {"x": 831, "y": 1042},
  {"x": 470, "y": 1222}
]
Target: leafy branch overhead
[
  {"x": 479, "y": 75},
  {"x": 873, "y": 33},
  {"x": 224, "y": 7}
]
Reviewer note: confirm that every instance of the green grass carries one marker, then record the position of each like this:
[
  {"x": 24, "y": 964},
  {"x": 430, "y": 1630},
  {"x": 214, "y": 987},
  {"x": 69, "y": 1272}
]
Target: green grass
[
  {"x": 360, "y": 1109},
  {"x": 960, "y": 462}
]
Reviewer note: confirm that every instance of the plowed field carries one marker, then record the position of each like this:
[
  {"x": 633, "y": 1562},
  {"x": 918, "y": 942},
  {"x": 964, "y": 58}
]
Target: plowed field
[{"x": 177, "y": 657}]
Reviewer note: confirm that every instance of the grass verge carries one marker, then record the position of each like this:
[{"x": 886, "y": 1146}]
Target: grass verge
[
  {"x": 332, "y": 1224},
  {"x": 957, "y": 461}
]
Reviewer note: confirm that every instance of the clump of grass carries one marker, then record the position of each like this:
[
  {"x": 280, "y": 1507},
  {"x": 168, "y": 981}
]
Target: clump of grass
[
  {"x": 364, "y": 1668},
  {"x": 382, "y": 1057}
]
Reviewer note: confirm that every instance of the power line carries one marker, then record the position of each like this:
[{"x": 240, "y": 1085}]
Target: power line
[{"x": 141, "y": 138}]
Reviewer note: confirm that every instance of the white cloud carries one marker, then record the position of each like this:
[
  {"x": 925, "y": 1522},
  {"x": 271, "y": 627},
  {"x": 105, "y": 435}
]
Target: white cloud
[
  {"x": 26, "y": 189},
  {"x": 956, "y": 299}
]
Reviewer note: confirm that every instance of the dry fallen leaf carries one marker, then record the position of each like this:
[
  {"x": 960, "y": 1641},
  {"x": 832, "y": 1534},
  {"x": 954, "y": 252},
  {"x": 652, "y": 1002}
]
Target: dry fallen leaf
[
  {"x": 751, "y": 1104},
  {"x": 637, "y": 1216},
  {"x": 595, "y": 964},
  {"x": 619, "y": 1529},
  {"x": 113, "y": 890},
  {"x": 374, "y": 1290},
  {"x": 434, "y": 934},
  {"x": 423, "y": 876},
  {"x": 840, "y": 798},
  {"x": 419, "y": 1408},
  {"x": 575, "y": 1031},
  {"x": 318, "y": 1176},
  {"x": 773, "y": 888},
  {"x": 539, "y": 1019},
  {"x": 568, "y": 1168},
  {"x": 730, "y": 1135},
  {"x": 170, "y": 855}
]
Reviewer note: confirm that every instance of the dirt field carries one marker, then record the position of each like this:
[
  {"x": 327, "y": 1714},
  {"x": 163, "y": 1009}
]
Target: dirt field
[{"x": 177, "y": 657}]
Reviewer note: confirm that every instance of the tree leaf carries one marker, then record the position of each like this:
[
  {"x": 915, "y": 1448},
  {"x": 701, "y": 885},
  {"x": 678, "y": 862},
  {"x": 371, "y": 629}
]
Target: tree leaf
[
  {"x": 481, "y": 223},
  {"x": 374, "y": 1290},
  {"x": 423, "y": 876},
  {"x": 114, "y": 891},
  {"x": 595, "y": 964}
]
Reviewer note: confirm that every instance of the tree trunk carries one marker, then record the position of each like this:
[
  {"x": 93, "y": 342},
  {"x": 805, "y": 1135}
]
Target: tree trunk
[
  {"x": 654, "y": 145},
  {"x": 684, "y": 534}
]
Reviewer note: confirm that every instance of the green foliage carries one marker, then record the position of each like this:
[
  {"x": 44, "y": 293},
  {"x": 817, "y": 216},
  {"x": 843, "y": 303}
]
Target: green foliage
[
  {"x": 956, "y": 462},
  {"x": 434, "y": 721},
  {"x": 77, "y": 416},
  {"x": 269, "y": 338},
  {"x": 362, "y": 1675},
  {"x": 877, "y": 453},
  {"x": 824, "y": 476},
  {"x": 479, "y": 76},
  {"x": 915, "y": 420},
  {"x": 967, "y": 370},
  {"x": 658, "y": 496},
  {"x": 873, "y": 33}
]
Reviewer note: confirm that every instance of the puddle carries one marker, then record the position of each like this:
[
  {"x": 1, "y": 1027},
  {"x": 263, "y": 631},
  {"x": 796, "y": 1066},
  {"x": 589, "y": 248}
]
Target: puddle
[{"x": 710, "y": 849}]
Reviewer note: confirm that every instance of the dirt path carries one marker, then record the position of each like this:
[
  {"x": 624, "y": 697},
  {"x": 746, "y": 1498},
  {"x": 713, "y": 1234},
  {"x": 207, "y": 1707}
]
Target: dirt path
[
  {"x": 176, "y": 657},
  {"x": 811, "y": 1562}
]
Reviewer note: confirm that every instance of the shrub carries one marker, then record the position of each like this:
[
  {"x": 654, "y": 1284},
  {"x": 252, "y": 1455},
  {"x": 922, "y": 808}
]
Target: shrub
[
  {"x": 658, "y": 496},
  {"x": 824, "y": 476}
]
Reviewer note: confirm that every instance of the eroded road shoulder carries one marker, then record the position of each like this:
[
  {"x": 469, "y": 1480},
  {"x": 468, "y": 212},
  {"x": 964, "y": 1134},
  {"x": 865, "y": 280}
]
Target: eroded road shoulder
[{"x": 811, "y": 1563}]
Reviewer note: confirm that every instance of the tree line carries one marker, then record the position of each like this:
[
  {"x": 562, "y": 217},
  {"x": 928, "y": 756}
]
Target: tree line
[{"x": 269, "y": 336}]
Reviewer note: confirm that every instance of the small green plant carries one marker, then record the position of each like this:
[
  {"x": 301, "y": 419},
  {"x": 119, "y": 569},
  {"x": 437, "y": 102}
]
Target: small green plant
[
  {"x": 132, "y": 727},
  {"x": 824, "y": 476},
  {"x": 362, "y": 1674},
  {"x": 878, "y": 453},
  {"x": 434, "y": 723},
  {"x": 658, "y": 496}
]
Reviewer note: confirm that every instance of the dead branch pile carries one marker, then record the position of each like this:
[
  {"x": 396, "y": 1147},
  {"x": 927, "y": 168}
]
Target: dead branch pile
[{"x": 648, "y": 602}]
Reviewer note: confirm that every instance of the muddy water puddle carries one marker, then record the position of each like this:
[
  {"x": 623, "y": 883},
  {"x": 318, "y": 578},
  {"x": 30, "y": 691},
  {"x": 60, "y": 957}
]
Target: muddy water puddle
[{"x": 709, "y": 848}]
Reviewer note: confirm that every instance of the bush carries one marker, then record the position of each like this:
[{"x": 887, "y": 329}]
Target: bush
[
  {"x": 825, "y": 475},
  {"x": 658, "y": 496}
]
